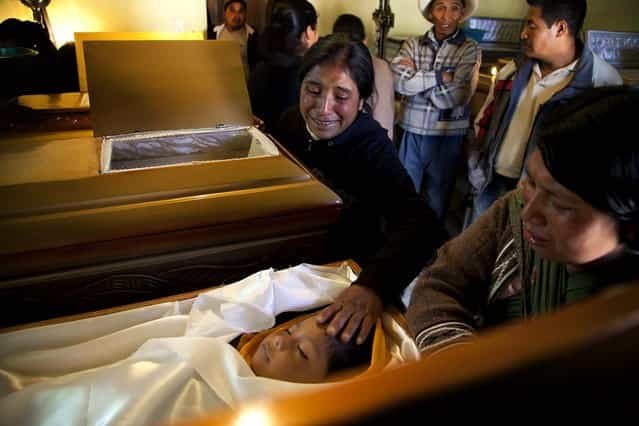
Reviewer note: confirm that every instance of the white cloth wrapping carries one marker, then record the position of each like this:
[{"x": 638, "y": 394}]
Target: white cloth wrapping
[{"x": 161, "y": 363}]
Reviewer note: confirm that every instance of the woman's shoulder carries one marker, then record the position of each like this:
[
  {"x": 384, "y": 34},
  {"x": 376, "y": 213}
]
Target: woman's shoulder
[
  {"x": 368, "y": 125},
  {"x": 502, "y": 215},
  {"x": 374, "y": 155},
  {"x": 367, "y": 132},
  {"x": 509, "y": 204}
]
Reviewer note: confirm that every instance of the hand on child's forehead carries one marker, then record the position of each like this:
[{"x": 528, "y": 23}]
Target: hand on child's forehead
[
  {"x": 298, "y": 353},
  {"x": 310, "y": 325}
]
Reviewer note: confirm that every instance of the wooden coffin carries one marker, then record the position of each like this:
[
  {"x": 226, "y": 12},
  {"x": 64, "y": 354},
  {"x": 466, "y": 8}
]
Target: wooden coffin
[
  {"x": 77, "y": 237},
  {"x": 585, "y": 354},
  {"x": 74, "y": 240}
]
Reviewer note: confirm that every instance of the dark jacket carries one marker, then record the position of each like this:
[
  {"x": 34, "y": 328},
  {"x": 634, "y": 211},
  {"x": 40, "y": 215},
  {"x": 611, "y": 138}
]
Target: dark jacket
[
  {"x": 274, "y": 87},
  {"x": 385, "y": 225},
  {"x": 477, "y": 275},
  {"x": 590, "y": 71}
]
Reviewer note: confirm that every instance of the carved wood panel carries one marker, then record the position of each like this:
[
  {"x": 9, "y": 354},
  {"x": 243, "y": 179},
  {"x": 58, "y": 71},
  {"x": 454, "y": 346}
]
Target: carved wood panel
[{"x": 101, "y": 286}]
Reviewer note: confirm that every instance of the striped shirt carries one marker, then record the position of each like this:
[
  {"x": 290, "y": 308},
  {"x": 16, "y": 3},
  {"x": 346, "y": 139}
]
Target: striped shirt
[{"x": 430, "y": 106}]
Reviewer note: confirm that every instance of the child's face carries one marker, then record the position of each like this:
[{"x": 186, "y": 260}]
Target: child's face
[{"x": 298, "y": 354}]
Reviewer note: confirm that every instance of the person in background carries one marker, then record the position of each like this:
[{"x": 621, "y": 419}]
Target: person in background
[
  {"x": 437, "y": 73},
  {"x": 382, "y": 102},
  {"x": 236, "y": 28},
  {"x": 385, "y": 226},
  {"x": 556, "y": 66},
  {"x": 24, "y": 74},
  {"x": 273, "y": 85},
  {"x": 571, "y": 230}
]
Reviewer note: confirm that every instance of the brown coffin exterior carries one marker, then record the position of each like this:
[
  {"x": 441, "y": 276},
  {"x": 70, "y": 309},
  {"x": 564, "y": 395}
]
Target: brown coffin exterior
[{"x": 74, "y": 240}]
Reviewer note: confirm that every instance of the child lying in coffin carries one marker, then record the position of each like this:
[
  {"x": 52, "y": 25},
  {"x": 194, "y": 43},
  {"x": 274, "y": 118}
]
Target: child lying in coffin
[
  {"x": 301, "y": 351},
  {"x": 179, "y": 360}
]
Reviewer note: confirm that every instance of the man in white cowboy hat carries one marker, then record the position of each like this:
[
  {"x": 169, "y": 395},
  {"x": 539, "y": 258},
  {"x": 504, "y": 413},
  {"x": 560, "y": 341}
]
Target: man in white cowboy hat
[{"x": 436, "y": 73}]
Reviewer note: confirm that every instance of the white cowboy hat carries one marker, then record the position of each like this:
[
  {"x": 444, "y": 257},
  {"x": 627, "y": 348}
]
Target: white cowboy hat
[{"x": 469, "y": 9}]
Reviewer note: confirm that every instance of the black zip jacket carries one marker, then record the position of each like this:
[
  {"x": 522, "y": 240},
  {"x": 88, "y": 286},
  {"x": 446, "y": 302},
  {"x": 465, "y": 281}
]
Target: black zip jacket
[{"x": 385, "y": 226}]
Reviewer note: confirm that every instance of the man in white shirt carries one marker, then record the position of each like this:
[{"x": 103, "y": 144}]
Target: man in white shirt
[
  {"x": 236, "y": 28},
  {"x": 557, "y": 66}
]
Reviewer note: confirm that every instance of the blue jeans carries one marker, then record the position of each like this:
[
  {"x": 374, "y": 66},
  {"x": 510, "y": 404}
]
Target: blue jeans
[
  {"x": 497, "y": 187},
  {"x": 431, "y": 162}
]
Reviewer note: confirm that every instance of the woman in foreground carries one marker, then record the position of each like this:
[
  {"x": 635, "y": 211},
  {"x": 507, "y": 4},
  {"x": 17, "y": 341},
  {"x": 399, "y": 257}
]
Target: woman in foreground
[
  {"x": 569, "y": 231},
  {"x": 385, "y": 226}
]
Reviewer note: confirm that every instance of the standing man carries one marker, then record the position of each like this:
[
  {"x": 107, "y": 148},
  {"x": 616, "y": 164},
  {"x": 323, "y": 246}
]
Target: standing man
[
  {"x": 436, "y": 73},
  {"x": 556, "y": 66},
  {"x": 236, "y": 28}
]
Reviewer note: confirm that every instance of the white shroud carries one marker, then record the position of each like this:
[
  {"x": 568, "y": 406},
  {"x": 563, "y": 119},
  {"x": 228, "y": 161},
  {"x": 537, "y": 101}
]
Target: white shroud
[{"x": 161, "y": 363}]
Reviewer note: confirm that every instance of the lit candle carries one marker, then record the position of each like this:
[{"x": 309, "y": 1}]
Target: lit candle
[
  {"x": 253, "y": 416},
  {"x": 493, "y": 77}
]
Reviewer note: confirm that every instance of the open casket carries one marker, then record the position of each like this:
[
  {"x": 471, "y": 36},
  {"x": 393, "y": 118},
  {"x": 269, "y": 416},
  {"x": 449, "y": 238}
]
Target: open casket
[
  {"x": 173, "y": 190},
  {"x": 173, "y": 359},
  {"x": 587, "y": 351}
]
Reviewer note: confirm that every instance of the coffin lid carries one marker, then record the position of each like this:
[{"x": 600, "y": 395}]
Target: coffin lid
[{"x": 164, "y": 85}]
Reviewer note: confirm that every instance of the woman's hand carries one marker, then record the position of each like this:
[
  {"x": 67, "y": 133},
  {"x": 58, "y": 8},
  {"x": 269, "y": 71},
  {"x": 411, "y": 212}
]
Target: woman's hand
[{"x": 355, "y": 308}]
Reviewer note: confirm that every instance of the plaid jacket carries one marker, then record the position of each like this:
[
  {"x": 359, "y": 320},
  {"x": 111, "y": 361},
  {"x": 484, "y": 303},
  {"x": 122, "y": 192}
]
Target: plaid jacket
[{"x": 430, "y": 106}]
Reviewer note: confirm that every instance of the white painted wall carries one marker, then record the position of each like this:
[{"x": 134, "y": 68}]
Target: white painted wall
[
  {"x": 190, "y": 15},
  {"x": 69, "y": 16}
]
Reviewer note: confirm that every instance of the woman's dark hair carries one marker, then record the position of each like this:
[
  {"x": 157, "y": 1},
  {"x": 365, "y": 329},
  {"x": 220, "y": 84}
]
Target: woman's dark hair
[
  {"x": 353, "y": 56},
  {"x": 350, "y": 25},
  {"x": 572, "y": 11},
  {"x": 589, "y": 146},
  {"x": 286, "y": 23}
]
